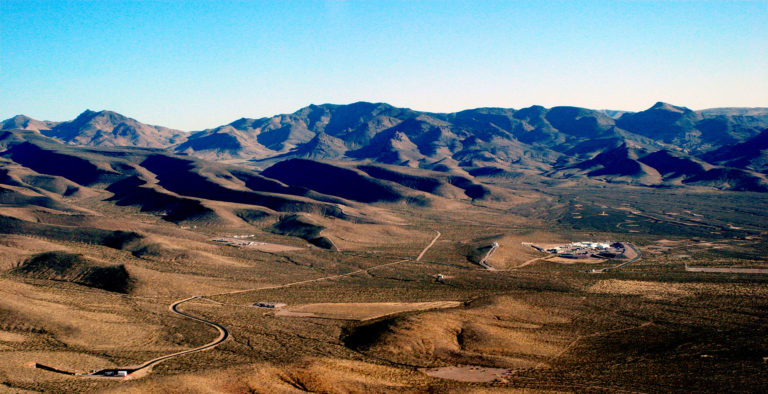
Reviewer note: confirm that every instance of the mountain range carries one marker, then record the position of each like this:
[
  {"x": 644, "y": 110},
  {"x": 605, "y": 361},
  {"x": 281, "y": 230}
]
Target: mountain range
[{"x": 663, "y": 146}]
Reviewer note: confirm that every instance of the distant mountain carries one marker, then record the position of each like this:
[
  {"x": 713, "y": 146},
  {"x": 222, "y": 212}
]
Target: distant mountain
[
  {"x": 322, "y": 146},
  {"x": 107, "y": 128},
  {"x": 674, "y": 165},
  {"x": 221, "y": 143},
  {"x": 294, "y": 134},
  {"x": 26, "y": 123},
  {"x": 690, "y": 130},
  {"x": 632, "y": 165},
  {"x": 614, "y": 146},
  {"x": 531, "y": 138},
  {"x": 615, "y": 114},
  {"x": 736, "y": 111},
  {"x": 534, "y": 137}
]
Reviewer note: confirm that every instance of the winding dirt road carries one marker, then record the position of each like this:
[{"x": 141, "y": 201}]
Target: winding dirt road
[{"x": 223, "y": 335}]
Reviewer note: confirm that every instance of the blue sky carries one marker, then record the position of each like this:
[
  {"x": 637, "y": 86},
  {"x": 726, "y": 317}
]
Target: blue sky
[{"x": 198, "y": 64}]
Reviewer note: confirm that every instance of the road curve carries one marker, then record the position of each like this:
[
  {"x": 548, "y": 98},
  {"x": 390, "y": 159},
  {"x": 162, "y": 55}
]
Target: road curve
[
  {"x": 487, "y": 256},
  {"x": 223, "y": 336}
]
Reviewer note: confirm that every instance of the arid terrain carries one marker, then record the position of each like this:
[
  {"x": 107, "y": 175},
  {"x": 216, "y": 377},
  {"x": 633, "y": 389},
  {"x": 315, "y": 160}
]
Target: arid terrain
[{"x": 302, "y": 261}]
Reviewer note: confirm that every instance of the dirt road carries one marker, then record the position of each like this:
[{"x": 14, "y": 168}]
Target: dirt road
[
  {"x": 582, "y": 337},
  {"x": 487, "y": 256},
  {"x": 223, "y": 335},
  {"x": 428, "y": 246},
  {"x": 140, "y": 370}
]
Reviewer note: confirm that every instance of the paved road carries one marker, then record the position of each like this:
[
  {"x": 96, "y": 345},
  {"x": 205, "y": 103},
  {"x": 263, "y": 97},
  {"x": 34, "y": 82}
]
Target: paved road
[{"x": 137, "y": 371}]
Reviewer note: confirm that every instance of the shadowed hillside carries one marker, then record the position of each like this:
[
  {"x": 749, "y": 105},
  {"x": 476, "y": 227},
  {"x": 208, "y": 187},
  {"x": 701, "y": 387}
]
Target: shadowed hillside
[
  {"x": 178, "y": 188},
  {"x": 751, "y": 154},
  {"x": 76, "y": 269},
  {"x": 329, "y": 179},
  {"x": 303, "y": 226}
]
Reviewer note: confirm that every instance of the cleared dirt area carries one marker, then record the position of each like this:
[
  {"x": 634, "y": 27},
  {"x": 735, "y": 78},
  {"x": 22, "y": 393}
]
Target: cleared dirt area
[
  {"x": 630, "y": 252},
  {"x": 763, "y": 271},
  {"x": 364, "y": 311},
  {"x": 563, "y": 260},
  {"x": 273, "y": 248},
  {"x": 469, "y": 373},
  {"x": 250, "y": 243},
  {"x": 6, "y": 336},
  {"x": 650, "y": 290}
]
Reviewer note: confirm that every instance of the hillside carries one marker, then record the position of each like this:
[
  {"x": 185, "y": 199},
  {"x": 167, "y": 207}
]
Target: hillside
[
  {"x": 751, "y": 154},
  {"x": 37, "y": 170},
  {"x": 26, "y": 123}
]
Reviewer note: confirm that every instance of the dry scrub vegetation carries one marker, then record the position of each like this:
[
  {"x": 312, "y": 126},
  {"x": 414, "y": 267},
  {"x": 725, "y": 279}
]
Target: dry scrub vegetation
[{"x": 374, "y": 326}]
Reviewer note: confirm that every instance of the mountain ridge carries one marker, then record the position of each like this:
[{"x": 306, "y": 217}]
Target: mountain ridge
[{"x": 559, "y": 140}]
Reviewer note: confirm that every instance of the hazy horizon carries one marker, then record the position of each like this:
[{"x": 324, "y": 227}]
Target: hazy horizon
[{"x": 195, "y": 65}]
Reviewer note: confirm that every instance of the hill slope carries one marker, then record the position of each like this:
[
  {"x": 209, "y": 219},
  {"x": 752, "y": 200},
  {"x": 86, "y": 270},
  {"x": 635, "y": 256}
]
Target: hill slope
[{"x": 76, "y": 269}]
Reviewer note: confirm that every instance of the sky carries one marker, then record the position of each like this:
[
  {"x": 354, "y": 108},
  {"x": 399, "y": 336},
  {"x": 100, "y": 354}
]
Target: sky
[{"x": 193, "y": 65}]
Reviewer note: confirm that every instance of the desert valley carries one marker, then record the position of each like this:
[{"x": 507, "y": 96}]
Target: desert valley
[{"x": 371, "y": 248}]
